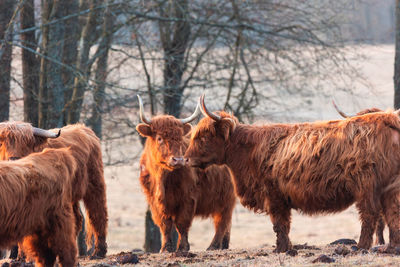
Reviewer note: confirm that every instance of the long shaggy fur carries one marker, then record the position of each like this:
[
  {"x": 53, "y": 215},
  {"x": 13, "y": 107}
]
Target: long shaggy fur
[
  {"x": 17, "y": 141},
  {"x": 177, "y": 195},
  {"x": 320, "y": 167},
  {"x": 35, "y": 206}
]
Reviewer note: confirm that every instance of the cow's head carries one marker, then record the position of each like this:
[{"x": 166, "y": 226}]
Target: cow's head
[
  {"x": 208, "y": 140},
  {"x": 19, "y": 139},
  {"x": 165, "y": 137}
]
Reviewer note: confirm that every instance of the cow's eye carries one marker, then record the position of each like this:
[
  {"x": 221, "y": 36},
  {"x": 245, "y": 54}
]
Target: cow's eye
[{"x": 159, "y": 140}]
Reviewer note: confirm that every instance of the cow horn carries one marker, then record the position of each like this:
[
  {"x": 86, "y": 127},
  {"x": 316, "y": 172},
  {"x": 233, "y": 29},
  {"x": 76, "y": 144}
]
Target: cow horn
[
  {"x": 141, "y": 113},
  {"x": 344, "y": 115},
  {"x": 205, "y": 111},
  {"x": 45, "y": 133},
  {"x": 193, "y": 116}
]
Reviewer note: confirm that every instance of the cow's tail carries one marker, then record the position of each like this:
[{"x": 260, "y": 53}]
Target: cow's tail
[{"x": 97, "y": 217}]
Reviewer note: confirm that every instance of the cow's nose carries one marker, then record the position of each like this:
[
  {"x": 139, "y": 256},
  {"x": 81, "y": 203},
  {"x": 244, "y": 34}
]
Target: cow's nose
[
  {"x": 187, "y": 160},
  {"x": 177, "y": 161}
]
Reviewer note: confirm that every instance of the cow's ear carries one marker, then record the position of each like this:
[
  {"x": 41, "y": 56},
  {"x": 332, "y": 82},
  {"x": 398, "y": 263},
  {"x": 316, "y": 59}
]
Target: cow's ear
[
  {"x": 227, "y": 127},
  {"x": 187, "y": 128},
  {"x": 144, "y": 129}
]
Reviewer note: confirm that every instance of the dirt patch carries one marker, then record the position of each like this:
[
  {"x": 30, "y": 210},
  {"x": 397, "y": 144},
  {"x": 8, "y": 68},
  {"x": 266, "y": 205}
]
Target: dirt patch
[{"x": 304, "y": 255}]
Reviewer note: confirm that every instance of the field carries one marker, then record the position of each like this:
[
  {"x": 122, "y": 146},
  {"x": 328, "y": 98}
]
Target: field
[{"x": 252, "y": 237}]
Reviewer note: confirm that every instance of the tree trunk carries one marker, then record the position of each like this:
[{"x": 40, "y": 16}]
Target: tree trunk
[
  {"x": 101, "y": 73},
  {"x": 152, "y": 242},
  {"x": 397, "y": 59},
  {"x": 86, "y": 42},
  {"x": 30, "y": 64},
  {"x": 51, "y": 87},
  {"x": 6, "y": 12},
  {"x": 73, "y": 30},
  {"x": 174, "y": 55}
]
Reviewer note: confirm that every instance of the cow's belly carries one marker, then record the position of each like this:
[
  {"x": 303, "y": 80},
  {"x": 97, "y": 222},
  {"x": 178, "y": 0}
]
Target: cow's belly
[{"x": 314, "y": 200}]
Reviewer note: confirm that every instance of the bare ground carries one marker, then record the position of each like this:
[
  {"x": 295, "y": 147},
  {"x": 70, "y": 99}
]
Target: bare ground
[{"x": 303, "y": 255}]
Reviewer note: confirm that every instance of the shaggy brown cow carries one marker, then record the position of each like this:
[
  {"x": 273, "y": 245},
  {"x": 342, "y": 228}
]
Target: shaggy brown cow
[
  {"x": 176, "y": 193},
  {"x": 36, "y": 206},
  {"x": 320, "y": 167},
  {"x": 19, "y": 139}
]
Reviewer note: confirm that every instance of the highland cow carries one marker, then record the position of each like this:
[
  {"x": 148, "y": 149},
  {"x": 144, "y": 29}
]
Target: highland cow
[
  {"x": 177, "y": 193},
  {"x": 321, "y": 167},
  {"x": 36, "y": 206},
  {"x": 19, "y": 139}
]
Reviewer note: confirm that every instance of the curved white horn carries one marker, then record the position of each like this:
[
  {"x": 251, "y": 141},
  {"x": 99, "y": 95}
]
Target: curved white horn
[
  {"x": 344, "y": 115},
  {"x": 141, "y": 113},
  {"x": 205, "y": 111},
  {"x": 45, "y": 133},
  {"x": 193, "y": 116}
]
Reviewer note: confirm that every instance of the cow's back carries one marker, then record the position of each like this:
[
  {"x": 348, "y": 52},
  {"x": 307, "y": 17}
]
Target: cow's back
[
  {"x": 86, "y": 149},
  {"x": 327, "y": 168}
]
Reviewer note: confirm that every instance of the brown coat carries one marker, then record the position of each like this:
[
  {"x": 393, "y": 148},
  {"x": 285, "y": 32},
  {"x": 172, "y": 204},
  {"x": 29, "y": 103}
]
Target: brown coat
[
  {"x": 17, "y": 140},
  {"x": 35, "y": 206},
  {"x": 320, "y": 167},
  {"x": 176, "y": 193}
]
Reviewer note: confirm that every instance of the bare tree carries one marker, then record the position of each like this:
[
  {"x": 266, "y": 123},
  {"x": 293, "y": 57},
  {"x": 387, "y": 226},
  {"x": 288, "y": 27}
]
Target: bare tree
[
  {"x": 174, "y": 40},
  {"x": 30, "y": 63},
  {"x": 101, "y": 72},
  {"x": 51, "y": 86},
  {"x": 88, "y": 37},
  {"x": 70, "y": 53},
  {"x": 6, "y": 35}
]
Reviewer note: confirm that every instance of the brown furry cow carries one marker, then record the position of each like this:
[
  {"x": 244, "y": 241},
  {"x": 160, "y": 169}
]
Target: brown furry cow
[
  {"x": 36, "y": 206},
  {"x": 176, "y": 193},
  {"x": 320, "y": 167},
  {"x": 19, "y": 139}
]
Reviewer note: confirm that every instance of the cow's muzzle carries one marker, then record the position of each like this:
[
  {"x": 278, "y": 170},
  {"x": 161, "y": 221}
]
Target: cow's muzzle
[
  {"x": 176, "y": 162},
  {"x": 194, "y": 163}
]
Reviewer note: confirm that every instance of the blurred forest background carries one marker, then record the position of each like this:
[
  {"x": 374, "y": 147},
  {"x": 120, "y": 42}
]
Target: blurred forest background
[{"x": 68, "y": 61}]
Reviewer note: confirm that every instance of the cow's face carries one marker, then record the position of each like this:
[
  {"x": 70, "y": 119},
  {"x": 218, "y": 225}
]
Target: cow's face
[
  {"x": 17, "y": 140},
  {"x": 208, "y": 142},
  {"x": 165, "y": 140}
]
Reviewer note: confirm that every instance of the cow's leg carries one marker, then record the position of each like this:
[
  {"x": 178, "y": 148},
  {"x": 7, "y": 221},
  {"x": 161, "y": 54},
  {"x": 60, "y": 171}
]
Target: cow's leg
[
  {"x": 96, "y": 207},
  {"x": 166, "y": 236},
  {"x": 78, "y": 217},
  {"x": 182, "y": 226},
  {"x": 281, "y": 217},
  {"x": 37, "y": 248},
  {"x": 380, "y": 240},
  {"x": 183, "y": 221},
  {"x": 369, "y": 218},
  {"x": 222, "y": 224},
  {"x": 62, "y": 240},
  {"x": 14, "y": 252},
  {"x": 226, "y": 239},
  {"x": 391, "y": 208}
]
